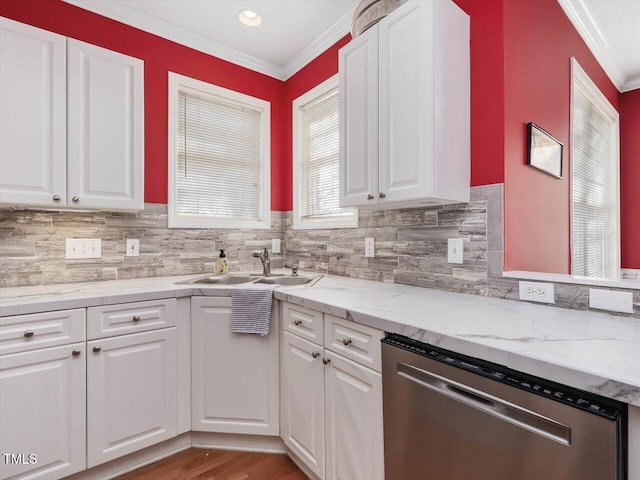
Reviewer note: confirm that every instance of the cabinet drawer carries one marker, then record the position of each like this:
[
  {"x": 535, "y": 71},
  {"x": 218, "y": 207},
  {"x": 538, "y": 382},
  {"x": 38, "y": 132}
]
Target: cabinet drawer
[
  {"x": 303, "y": 322},
  {"x": 123, "y": 318},
  {"x": 22, "y": 333},
  {"x": 354, "y": 341}
]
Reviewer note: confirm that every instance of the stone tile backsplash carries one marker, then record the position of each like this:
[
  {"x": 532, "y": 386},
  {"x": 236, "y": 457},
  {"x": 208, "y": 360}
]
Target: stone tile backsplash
[{"x": 411, "y": 248}]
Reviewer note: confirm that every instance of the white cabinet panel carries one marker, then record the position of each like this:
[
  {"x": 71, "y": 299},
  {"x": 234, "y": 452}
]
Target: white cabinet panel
[
  {"x": 124, "y": 318},
  {"x": 33, "y": 117},
  {"x": 354, "y": 435},
  {"x": 358, "y": 72},
  {"x": 235, "y": 377},
  {"x": 131, "y": 393},
  {"x": 303, "y": 401},
  {"x": 42, "y": 412},
  {"x": 105, "y": 128}
]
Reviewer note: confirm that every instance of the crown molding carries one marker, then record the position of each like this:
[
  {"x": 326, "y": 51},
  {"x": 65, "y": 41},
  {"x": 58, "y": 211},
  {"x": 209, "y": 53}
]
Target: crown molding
[
  {"x": 632, "y": 83},
  {"x": 143, "y": 21},
  {"x": 582, "y": 20},
  {"x": 319, "y": 45}
]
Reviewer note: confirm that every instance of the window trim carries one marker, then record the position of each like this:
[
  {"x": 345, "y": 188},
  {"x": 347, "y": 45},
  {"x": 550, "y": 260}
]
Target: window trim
[
  {"x": 300, "y": 223},
  {"x": 179, "y": 83},
  {"x": 578, "y": 75}
]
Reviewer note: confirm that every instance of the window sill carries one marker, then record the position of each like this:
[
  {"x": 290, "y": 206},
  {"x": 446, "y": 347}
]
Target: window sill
[
  {"x": 299, "y": 224},
  {"x": 563, "y": 278},
  {"x": 218, "y": 223}
]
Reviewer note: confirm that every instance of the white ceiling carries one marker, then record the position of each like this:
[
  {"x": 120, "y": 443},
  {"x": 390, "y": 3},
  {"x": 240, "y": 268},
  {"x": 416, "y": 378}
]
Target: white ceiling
[
  {"x": 291, "y": 34},
  {"x": 294, "y": 32},
  {"x": 611, "y": 29}
]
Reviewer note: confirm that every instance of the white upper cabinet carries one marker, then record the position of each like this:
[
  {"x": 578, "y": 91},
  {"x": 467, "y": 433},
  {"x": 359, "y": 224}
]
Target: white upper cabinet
[
  {"x": 33, "y": 116},
  {"x": 419, "y": 97},
  {"x": 105, "y": 137},
  {"x": 71, "y": 122}
]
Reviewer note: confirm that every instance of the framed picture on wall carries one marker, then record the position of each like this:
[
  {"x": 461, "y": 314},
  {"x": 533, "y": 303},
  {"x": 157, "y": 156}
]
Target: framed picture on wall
[{"x": 544, "y": 151}]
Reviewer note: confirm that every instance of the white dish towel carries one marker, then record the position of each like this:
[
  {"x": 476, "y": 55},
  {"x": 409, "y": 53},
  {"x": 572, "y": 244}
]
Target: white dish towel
[{"x": 251, "y": 309}]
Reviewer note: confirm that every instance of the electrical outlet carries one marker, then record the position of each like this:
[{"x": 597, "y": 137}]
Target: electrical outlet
[
  {"x": 369, "y": 247},
  {"x": 610, "y": 300},
  {"x": 537, "y": 292},
  {"x": 275, "y": 245},
  {"x": 76, "y": 248},
  {"x": 455, "y": 251},
  {"x": 133, "y": 247}
]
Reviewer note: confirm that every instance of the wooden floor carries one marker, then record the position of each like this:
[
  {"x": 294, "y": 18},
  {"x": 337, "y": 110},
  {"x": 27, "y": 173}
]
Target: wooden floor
[{"x": 196, "y": 463}]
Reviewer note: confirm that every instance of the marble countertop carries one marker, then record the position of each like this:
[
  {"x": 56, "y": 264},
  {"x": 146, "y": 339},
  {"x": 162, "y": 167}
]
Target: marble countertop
[{"x": 596, "y": 352}]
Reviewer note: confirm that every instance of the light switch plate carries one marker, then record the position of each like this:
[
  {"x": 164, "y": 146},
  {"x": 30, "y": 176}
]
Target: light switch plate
[
  {"x": 133, "y": 247},
  {"x": 76, "y": 248},
  {"x": 537, "y": 292},
  {"x": 610, "y": 300},
  {"x": 455, "y": 250},
  {"x": 369, "y": 247},
  {"x": 275, "y": 245}
]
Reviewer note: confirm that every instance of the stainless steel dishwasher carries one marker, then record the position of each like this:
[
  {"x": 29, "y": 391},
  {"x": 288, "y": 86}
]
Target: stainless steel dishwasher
[{"x": 452, "y": 417}]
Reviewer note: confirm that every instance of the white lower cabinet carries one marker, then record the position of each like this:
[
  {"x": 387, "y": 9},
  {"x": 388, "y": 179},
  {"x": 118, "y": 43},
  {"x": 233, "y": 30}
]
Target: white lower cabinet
[
  {"x": 42, "y": 413},
  {"x": 332, "y": 406},
  {"x": 353, "y": 420},
  {"x": 131, "y": 393},
  {"x": 235, "y": 376},
  {"x": 303, "y": 401}
]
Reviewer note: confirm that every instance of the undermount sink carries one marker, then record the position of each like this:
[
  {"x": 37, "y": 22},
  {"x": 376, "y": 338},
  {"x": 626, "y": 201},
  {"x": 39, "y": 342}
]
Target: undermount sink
[
  {"x": 287, "y": 280},
  {"x": 221, "y": 280}
]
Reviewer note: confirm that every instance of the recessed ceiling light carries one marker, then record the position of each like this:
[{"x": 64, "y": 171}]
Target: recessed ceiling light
[{"x": 249, "y": 17}]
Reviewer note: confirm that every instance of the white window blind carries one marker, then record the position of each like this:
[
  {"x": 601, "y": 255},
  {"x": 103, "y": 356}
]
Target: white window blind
[
  {"x": 318, "y": 162},
  {"x": 219, "y": 158},
  {"x": 594, "y": 187},
  {"x": 219, "y": 143}
]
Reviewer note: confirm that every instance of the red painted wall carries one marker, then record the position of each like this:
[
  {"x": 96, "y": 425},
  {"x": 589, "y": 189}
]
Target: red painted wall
[
  {"x": 630, "y": 178},
  {"x": 539, "y": 41},
  {"x": 161, "y": 56}
]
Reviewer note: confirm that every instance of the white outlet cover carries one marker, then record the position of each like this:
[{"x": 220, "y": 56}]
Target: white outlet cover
[
  {"x": 537, "y": 292},
  {"x": 610, "y": 300},
  {"x": 455, "y": 250},
  {"x": 133, "y": 247},
  {"x": 369, "y": 247},
  {"x": 275, "y": 245}
]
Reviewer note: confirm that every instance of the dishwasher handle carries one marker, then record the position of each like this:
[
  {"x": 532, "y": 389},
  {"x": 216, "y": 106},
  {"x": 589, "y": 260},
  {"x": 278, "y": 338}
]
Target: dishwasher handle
[{"x": 497, "y": 407}]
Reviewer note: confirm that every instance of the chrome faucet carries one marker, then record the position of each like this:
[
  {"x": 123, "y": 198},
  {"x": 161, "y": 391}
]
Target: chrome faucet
[{"x": 263, "y": 255}]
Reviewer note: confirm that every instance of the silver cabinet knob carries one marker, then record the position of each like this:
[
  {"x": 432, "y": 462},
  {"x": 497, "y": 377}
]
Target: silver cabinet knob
[
  {"x": 370, "y": 197},
  {"x": 346, "y": 341},
  {"x": 56, "y": 198},
  {"x": 76, "y": 352},
  {"x": 297, "y": 322},
  {"x": 315, "y": 354},
  {"x": 97, "y": 348},
  {"x": 28, "y": 333},
  {"x": 136, "y": 318},
  {"x": 75, "y": 199},
  {"x": 382, "y": 195},
  {"x": 326, "y": 360}
]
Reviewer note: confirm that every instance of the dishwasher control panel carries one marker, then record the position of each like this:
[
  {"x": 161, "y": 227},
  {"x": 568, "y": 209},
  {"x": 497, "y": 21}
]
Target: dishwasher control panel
[{"x": 546, "y": 388}]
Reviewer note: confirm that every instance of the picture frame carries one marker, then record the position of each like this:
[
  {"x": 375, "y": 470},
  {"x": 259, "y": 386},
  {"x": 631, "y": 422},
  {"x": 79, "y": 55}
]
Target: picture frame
[{"x": 544, "y": 151}]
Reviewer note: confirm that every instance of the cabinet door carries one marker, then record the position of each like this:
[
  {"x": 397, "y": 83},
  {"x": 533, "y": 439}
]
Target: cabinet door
[
  {"x": 406, "y": 103},
  {"x": 303, "y": 401},
  {"x": 354, "y": 436},
  {"x": 131, "y": 393},
  {"x": 33, "y": 115},
  {"x": 358, "y": 73},
  {"x": 234, "y": 376},
  {"x": 105, "y": 128},
  {"x": 42, "y": 412}
]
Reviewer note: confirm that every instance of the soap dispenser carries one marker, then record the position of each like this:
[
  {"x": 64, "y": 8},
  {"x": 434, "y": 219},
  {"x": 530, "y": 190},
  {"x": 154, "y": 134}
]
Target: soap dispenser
[{"x": 223, "y": 266}]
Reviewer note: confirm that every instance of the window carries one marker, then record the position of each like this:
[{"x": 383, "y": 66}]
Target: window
[
  {"x": 316, "y": 159},
  {"x": 218, "y": 157},
  {"x": 594, "y": 180}
]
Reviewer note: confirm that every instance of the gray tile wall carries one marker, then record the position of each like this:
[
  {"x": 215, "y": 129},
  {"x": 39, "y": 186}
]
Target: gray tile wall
[
  {"x": 411, "y": 248},
  {"x": 32, "y": 246}
]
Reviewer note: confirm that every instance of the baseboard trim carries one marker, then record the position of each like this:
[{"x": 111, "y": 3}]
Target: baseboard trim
[{"x": 238, "y": 442}]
